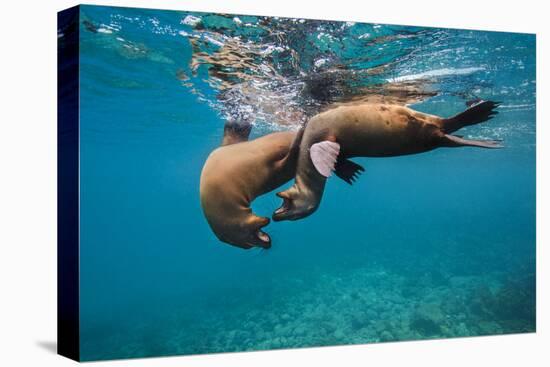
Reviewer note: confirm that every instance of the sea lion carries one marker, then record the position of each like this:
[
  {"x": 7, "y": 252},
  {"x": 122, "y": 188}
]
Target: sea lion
[
  {"x": 369, "y": 130},
  {"x": 238, "y": 172}
]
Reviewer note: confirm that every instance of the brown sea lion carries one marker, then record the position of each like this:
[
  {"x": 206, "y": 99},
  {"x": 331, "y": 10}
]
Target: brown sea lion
[
  {"x": 238, "y": 172},
  {"x": 369, "y": 130}
]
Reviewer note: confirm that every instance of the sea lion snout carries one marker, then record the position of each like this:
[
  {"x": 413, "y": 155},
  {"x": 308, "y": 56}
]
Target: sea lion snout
[
  {"x": 295, "y": 205},
  {"x": 285, "y": 208},
  {"x": 264, "y": 238},
  {"x": 260, "y": 238},
  {"x": 249, "y": 234}
]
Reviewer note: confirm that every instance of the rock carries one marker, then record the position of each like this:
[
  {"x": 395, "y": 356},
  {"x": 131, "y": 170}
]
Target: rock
[
  {"x": 428, "y": 319},
  {"x": 339, "y": 334},
  {"x": 462, "y": 330},
  {"x": 371, "y": 314},
  {"x": 489, "y": 328},
  {"x": 379, "y": 328},
  {"x": 386, "y": 336}
]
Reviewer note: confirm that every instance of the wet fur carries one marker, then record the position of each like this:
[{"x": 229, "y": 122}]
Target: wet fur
[
  {"x": 374, "y": 130},
  {"x": 237, "y": 173}
]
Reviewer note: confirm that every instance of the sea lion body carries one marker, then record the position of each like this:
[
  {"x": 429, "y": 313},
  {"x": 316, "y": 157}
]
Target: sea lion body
[
  {"x": 234, "y": 175},
  {"x": 375, "y": 130},
  {"x": 368, "y": 130}
]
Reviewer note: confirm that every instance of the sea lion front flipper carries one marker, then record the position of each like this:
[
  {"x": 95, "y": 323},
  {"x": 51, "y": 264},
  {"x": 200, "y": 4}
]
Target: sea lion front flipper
[
  {"x": 324, "y": 156},
  {"x": 348, "y": 170}
]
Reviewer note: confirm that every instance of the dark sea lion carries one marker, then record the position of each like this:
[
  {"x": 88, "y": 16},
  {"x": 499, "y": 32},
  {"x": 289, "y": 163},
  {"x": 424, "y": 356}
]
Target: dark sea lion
[
  {"x": 238, "y": 172},
  {"x": 369, "y": 130}
]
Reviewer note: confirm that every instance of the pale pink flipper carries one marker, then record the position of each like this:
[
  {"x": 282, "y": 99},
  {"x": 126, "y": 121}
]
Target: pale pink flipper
[{"x": 324, "y": 156}]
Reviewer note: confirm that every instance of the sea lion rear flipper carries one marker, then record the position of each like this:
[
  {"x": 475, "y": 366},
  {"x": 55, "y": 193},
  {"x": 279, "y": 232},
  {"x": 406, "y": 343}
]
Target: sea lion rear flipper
[
  {"x": 324, "y": 155},
  {"x": 477, "y": 112},
  {"x": 455, "y": 141},
  {"x": 348, "y": 170},
  {"x": 235, "y": 132}
]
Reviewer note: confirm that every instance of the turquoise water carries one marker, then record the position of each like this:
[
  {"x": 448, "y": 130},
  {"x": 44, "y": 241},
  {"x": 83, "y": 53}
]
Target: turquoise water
[{"x": 435, "y": 245}]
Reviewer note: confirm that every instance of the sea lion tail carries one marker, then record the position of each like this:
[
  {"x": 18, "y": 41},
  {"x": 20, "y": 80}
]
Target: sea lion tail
[{"x": 479, "y": 111}]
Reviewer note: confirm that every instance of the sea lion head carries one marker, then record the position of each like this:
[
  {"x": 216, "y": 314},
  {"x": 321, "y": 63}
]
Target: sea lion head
[
  {"x": 297, "y": 204},
  {"x": 245, "y": 233}
]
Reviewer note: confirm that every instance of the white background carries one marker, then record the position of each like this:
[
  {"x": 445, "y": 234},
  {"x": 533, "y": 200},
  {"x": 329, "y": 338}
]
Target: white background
[{"x": 28, "y": 182}]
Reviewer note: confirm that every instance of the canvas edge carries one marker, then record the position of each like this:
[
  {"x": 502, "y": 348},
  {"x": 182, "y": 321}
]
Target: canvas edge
[{"x": 68, "y": 304}]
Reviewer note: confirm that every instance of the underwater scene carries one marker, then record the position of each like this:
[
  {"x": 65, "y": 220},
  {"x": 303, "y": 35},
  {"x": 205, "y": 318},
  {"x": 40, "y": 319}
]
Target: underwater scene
[{"x": 439, "y": 244}]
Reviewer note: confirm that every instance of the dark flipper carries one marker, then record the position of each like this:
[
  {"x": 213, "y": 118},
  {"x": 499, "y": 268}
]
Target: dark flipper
[
  {"x": 455, "y": 141},
  {"x": 347, "y": 170},
  {"x": 479, "y": 111},
  {"x": 234, "y": 132}
]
